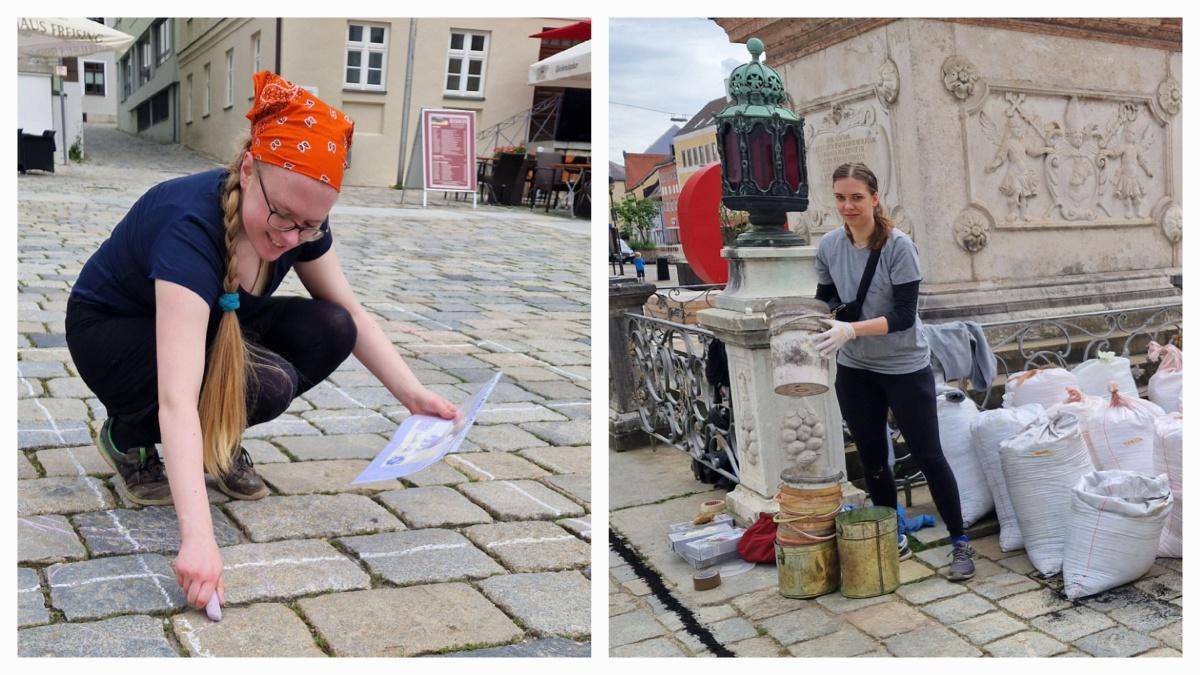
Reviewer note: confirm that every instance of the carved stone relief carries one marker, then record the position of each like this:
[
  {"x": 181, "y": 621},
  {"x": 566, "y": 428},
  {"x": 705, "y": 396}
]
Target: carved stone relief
[
  {"x": 959, "y": 75},
  {"x": 1171, "y": 223},
  {"x": 1044, "y": 158},
  {"x": 1170, "y": 96},
  {"x": 887, "y": 85},
  {"x": 845, "y": 133},
  {"x": 748, "y": 436},
  {"x": 802, "y": 436},
  {"x": 900, "y": 219},
  {"x": 971, "y": 229}
]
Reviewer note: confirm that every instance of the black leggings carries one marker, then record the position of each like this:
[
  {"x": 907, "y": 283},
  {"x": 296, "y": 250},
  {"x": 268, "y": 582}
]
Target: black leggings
[
  {"x": 865, "y": 397},
  {"x": 294, "y": 344}
]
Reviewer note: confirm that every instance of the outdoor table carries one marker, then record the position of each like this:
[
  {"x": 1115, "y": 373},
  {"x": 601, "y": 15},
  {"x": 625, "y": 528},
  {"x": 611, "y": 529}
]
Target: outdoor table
[{"x": 584, "y": 170}]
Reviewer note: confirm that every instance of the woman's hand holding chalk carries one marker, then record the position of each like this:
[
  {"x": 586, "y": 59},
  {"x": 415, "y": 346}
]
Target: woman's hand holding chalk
[{"x": 213, "y": 608}]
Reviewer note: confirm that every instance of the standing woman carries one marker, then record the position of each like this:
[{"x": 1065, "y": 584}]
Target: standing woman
[
  {"x": 172, "y": 324},
  {"x": 883, "y": 360}
]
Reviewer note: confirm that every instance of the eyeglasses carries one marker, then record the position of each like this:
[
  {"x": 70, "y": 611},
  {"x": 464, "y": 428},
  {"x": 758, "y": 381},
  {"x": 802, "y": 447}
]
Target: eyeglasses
[{"x": 306, "y": 233}]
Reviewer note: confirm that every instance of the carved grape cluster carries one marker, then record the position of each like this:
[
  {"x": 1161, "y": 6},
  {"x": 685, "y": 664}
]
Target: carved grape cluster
[{"x": 802, "y": 437}]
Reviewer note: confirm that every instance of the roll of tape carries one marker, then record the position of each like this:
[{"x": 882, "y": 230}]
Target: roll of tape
[
  {"x": 713, "y": 506},
  {"x": 706, "y": 580}
]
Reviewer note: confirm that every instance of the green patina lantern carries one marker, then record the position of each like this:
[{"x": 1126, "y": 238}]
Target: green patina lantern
[{"x": 761, "y": 144}]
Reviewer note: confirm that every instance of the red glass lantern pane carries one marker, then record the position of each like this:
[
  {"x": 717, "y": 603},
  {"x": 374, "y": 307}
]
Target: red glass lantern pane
[
  {"x": 733, "y": 157},
  {"x": 791, "y": 159},
  {"x": 762, "y": 158}
]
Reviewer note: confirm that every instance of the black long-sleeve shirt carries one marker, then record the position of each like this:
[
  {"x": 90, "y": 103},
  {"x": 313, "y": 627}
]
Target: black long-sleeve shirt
[{"x": 904, "y": 304}]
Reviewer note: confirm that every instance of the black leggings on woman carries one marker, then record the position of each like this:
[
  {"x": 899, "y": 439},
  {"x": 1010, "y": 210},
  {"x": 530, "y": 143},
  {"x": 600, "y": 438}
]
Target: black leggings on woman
[
  {"x": 294, "y": 344},
  {"x": 865, "y": 397}
]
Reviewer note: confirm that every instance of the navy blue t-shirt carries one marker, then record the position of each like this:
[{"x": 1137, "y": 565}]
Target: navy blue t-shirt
[{"x": 175, "y": 232}]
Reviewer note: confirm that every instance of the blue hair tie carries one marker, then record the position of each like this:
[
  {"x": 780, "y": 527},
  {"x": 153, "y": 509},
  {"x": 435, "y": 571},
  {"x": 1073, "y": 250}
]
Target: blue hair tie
[{"x": 229, "y": 301}]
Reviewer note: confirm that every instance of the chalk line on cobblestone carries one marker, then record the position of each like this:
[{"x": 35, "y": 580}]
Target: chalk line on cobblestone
[
  {"x": 43, "y": 527},
  {"x": 343, "y": 393},
  {"x": 154, "y": 577},
  {"x": 193, "y": 640},
  {"x": 123, "y": 531},
  {"x": 529, "y": 540},
  {"x": 284, "y": 561},
  {"x": 75, "y": 460},
  {"x": 459, "y": 458},
  {"x": 568, "y": 405},
  {"x": 29, "y": 387},
  {"x": 53, "y": 424},
  {"x": 100, "y": 580},
  {"x": 415, "y": 549},
  {"x": 557, "y": 512}
]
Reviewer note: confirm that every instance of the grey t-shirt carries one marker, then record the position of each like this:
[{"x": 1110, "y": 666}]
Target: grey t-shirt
[{"x": 841, "y": 264}]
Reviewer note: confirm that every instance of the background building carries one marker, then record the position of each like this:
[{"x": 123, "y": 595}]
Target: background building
[
  {"x": 148, "y": 73},
  {"x": 696, "y": 142}
]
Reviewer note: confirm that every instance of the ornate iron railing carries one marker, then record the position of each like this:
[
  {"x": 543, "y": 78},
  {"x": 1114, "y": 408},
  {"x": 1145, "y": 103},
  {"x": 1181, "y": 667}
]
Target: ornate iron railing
[
  {"x": 674, "y": 400},
  {"x": 674, "y": 304}
]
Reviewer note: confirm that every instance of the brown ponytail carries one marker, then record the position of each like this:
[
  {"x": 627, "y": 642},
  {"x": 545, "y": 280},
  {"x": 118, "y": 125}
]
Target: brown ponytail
[
  {"x": 223, "y": 394},
  {"x": 883, "y": 224}
]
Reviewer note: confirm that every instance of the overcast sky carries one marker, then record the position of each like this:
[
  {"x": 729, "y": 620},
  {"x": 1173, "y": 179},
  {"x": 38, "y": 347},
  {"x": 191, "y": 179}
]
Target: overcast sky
[{"x": 676, "y": 65}]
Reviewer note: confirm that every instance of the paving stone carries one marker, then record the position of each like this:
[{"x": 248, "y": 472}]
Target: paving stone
[
  {"x": 1017, "y": 564},
  {"x": 1068, "y": 625},
  {"x": 504, "y": 437},
  {"x": 521, "y": 499},
  {"x": 25, "y": 468},
  {"x": 759, "y": 647},
  {"x": 77, "y": 461},
  {"x": 958, "y": 608},
  {"x": 1034, "y": 603},
  {"x": 929, "y": 590},
  {"x": 42, "y": 434},
  {"x": 656, "y": 648},
  {"x": 335, "y": 422},
  {"x": 422, "y": 557},
  {"x": 321, "y": 476},
  {"x": 275, "y": 518},
  {"x": 258, "y": 630},
  {"x": 527, "y": 374},
  {"x": 1116, "y": 642},
  {"x": 57, "y": 410},
  {"x": 31, "y": 604},
  {"x": 45, "y": 539},
  {"x": 575, "y": 432},
  {"x": 364, "y": 623},
  {"x": 40, "y": 369},
  {"x": 840, "y": 604},
  {"x": 988, "y": 627},
  {"x": 287, "y": 569},
  {"x": 284, "y": 425},
  {"x": 438, "y": 473},
  {"x": 531, "y": 546},
  {"x": 153, "y": 529},
  {"x": 1002, "y": 585},
  {"x": 123, "y": 636},
  {"x": 435, "y": 506},
  {"x": 847, "y": 641},
  {"x": 732, "y": 630},
  {"x": 577, "y": 487},
  {"x": 509, "y": 413},
  {"x": 557, "y": 390},
  {"x": 887, "y": 619},
  {"x": 633, "y": 627},
  {"x": 1148, "y": 616},
  {"x": 800, "y": 625},
  {"x": 1161, "y": 652},
  {"x": 69, "y": 387},
  {"x": 984, "y": 569},
  {"x": 767, "y": 603},
  {"x": 506, "y": 392},
  {"x": 263, "y": 452},
  {"x": 1166, "y": 586},
  {"x": 27, "y": 388},
  {"x": 935, "y": 557},
  {"x": 912, "y": 570},
  {"x": 482, "y": 466},
  {"x": 580, "y": 527},
  {"x": 549, "y": 603},
  {"x": 548, "y": 648},
  {"x": 1171, "y": 636},
  {"x": 61, "y": 495},
  {"x": 570, "y": 459},
  {"x": 936, "y": 641},
  {"x": 121, "y": 585},
  {"x": 575, "y": 411}
]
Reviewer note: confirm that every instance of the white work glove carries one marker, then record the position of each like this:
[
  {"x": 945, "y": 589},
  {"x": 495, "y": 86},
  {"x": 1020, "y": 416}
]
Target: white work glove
[{"x": 839, "y": 333}]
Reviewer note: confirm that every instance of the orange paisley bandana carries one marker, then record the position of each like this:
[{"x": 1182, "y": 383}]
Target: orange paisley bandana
[{"x": 293, "y": 129}]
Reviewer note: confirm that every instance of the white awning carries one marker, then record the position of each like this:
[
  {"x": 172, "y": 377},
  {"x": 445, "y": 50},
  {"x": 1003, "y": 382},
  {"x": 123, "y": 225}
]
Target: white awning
[
  {"x": 568, "y": 68},
  {"x": 62, "y": 38}
]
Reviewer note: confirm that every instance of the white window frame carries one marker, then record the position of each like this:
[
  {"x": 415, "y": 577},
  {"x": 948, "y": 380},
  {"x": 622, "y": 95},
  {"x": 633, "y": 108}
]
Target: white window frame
[
  {"x": 83, "y": 64},
  {"x": 228, "y": 78},
  {"x": 256, "y": 51},
  {"x": 207, "y": 90},
  {"x": 163, "y": 41},
  {"x": 466, "y": 54},
  {"x": 365, "y": 48},
  {"x": 188, "y": 118}
]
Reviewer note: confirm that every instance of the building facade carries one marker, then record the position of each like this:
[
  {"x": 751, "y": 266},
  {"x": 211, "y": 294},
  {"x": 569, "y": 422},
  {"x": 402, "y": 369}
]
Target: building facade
[
  {"x": 696, "y": 142},
  {"x": 380, "y": 71},
  {"x": 148, "y": 77}
]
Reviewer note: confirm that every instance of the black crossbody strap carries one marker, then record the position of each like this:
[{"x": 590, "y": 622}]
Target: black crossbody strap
[{"x": 868, "y": 275}]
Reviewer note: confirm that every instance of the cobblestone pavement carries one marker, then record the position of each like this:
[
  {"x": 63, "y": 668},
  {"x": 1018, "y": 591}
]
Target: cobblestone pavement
[
  {"x": 485, "y": 553},
  {"x": 1005, "y": 610}
]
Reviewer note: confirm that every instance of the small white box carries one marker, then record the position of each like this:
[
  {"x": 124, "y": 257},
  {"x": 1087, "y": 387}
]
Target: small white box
[{"x": 713, "y": 549}]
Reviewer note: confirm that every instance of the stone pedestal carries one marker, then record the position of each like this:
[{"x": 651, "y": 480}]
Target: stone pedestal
[
  {"x": 624, "y": 428},
  {"x": 772, "y": 430}
]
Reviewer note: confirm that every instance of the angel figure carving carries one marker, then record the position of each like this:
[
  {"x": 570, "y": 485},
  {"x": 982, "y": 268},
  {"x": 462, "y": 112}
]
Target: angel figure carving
[
  {"x": 1020, "y": 183},
  {"x": 1127, "y": 184}
]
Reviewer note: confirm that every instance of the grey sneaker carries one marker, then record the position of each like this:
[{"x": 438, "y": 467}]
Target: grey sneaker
[
  {"x": 139, "y": 476},
  {"x": 961, "y": 565},
  {"x": 242, "y": 481},
  {"x": 903, "y": 549}
]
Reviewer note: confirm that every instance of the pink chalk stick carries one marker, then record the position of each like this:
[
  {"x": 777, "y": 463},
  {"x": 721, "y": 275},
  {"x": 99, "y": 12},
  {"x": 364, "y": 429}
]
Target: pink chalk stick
[{"x": 213, "y": 608}]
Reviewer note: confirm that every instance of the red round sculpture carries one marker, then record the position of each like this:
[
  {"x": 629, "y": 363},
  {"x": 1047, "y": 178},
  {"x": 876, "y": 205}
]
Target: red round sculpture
[{"x": 700, "y": 225}]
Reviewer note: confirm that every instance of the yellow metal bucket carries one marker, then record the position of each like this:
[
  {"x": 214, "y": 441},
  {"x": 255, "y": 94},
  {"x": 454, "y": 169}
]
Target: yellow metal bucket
[
  {"x": 866, "y": 542},
  {"x": 807, "y": 571}
]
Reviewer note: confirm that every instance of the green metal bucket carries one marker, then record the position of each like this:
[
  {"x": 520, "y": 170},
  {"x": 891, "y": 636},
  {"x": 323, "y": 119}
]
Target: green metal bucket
[
  {"x": 866, "y": 542},
  {"x": 807, "y": 571}
]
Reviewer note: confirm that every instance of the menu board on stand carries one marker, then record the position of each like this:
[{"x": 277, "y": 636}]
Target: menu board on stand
[{"x": 448, "y": 148}]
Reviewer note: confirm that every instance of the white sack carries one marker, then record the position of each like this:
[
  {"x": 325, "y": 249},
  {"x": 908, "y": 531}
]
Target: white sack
[
  {"x": 1042, "y": 464},
  {"x": 1166, "y": 384},
  {"x": 1168, "y": 459},
  {"x": 1079, "y": 404},
  {"x": 989, "y": 430},
  {"x": 1121, "y": 435},
  {"x": 1113, "y": 529},
  {"x": 1095, "y": 374},
  {"x": 955, "y": 414},
  {"x": 1045, "y": 387}
]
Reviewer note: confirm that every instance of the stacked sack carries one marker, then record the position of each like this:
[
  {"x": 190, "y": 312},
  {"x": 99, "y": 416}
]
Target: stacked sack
[
  {"x": 1166, "y": 385},
  {"x": 989, "y": 429},
  {"x": 956, "y": 413},
  {"x": 1113, "y": 530},
  {"x": 1094, "y": 375},
  {"x": 1043, "y": 386},
  {"x": 1042, "y": 464},
  {"x": 1120, "y": 435},
  {"x": 1168, "y": 460}
]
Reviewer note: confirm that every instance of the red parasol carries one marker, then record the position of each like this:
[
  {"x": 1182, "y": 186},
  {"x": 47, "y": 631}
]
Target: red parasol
[{"x": 581, "y": 30}]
